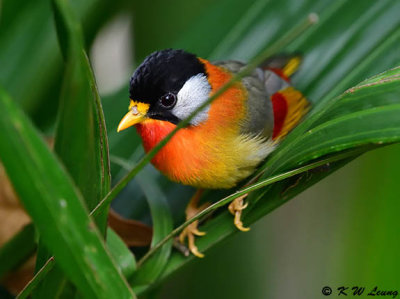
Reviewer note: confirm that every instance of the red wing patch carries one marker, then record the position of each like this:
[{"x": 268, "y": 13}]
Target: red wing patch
[
  {"x": 289, "y": 106},
  {"x": 280, "y": 108}
]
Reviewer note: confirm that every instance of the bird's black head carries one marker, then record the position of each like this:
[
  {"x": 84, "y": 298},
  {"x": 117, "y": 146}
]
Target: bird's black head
[
  {"x": 169, "y": 85},
  {"x": 160, "y": 77}
]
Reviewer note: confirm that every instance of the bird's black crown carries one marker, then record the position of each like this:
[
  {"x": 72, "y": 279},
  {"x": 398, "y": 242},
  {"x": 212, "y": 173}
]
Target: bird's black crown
[{"x": 163, "y": 72}]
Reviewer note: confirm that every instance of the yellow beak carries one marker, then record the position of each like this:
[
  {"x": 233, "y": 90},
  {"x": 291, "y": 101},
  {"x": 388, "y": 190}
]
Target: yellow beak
[{"x": 137, "y": 114}]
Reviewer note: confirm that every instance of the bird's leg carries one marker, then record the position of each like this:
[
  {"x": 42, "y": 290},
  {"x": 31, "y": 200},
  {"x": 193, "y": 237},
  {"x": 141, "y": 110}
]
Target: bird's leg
[
  {"x": 191, "y": 230},
  {"x": 236, "y": 207}
]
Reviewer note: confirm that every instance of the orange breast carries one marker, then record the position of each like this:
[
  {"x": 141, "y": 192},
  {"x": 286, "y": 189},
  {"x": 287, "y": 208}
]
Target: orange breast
[{"x": 204, "y": 156}]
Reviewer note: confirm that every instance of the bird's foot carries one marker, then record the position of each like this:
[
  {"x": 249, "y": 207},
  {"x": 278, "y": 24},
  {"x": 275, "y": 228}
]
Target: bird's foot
[
  {"x": 192, "y": 229},
  {"x": 190, "y": 232},
  {"x": 236, "y": 207}
]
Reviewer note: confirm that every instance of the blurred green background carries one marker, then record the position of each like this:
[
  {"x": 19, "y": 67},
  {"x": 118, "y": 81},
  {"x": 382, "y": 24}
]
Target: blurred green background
[{"x": 344, "y": 231}]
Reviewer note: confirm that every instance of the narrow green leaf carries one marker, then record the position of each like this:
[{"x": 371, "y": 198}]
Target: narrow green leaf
[
  {"x": 236, "y": 32},
  {"x": 28, "y": 289},
  {"x": 30, "y": 57},
  {"x": 55, "y": 284},
  {"x": 259, "y": 22},
  {"x": 370, "y": 60},
  {"x": 123, "y": 257},
  {"x": 121, "y": 144},
  {"x": 27, "y": 33},
  {"x": 81, "y": 139},
  {"x": 162, "y": 226},
  {"x": 17, "y": 250},
  {"x": 373, "y": 126},
  {"x": 333, "y": 51},
  {"x": 57, "y": 209},
  {"x": 186, "y": 22}
]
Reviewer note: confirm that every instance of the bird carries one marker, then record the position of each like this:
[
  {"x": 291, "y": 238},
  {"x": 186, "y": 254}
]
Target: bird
[{"x": 226, "y": 140}]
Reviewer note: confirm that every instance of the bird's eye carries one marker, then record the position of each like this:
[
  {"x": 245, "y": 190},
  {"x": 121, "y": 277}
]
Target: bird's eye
[{"x": 168, "y": 100}]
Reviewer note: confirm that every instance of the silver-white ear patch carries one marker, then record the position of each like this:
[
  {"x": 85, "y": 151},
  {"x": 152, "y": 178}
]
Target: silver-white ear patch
[{"x": 192, "y": 95}]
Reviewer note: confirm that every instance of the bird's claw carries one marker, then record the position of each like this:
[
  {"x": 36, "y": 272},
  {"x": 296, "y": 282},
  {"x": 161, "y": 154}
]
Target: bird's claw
[
  {"x": 192, "y": 229},
  {"x": 236, "y": 207},
  {"x": 190, "y": 232},
  {"x": 198, "y": 233}
]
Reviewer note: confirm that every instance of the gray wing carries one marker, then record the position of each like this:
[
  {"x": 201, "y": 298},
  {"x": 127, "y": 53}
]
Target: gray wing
[{"x": 260, "y": 114}]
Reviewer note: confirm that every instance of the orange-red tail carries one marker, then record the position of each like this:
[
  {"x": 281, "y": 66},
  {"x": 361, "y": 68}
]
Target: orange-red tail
[{"x": 289, "y": 105}]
